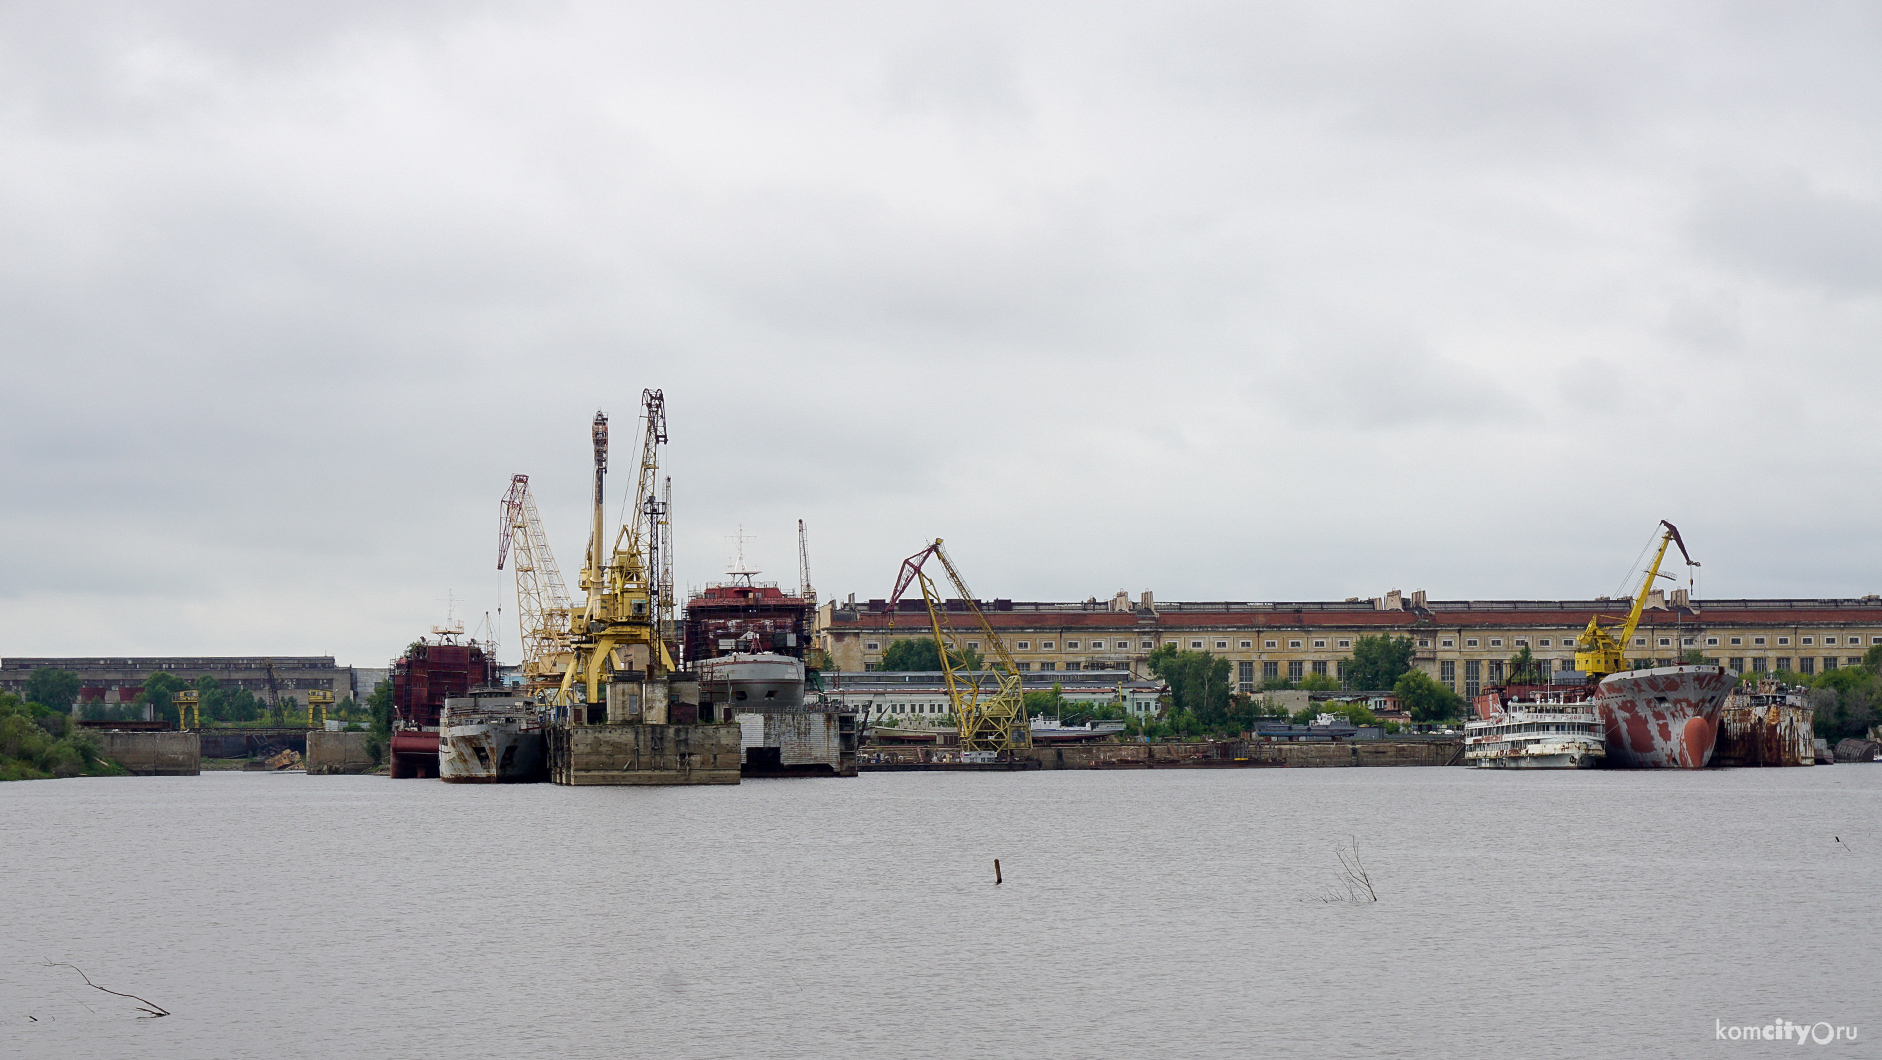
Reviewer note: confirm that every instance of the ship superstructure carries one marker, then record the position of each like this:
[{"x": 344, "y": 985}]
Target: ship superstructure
[{"x": 430, "y": 672}]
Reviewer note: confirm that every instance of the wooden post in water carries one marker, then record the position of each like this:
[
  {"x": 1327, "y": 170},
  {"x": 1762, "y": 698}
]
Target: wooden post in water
[{"x": 996, "y": 872}]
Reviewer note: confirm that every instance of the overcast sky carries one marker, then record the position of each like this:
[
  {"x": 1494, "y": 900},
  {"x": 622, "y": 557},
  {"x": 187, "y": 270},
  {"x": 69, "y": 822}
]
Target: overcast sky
[{"x": 1225, "y": 301}]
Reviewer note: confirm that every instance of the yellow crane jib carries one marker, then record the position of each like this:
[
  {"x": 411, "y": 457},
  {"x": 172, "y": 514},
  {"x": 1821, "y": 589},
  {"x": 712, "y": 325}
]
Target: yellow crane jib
[
  {"x": 1601, "y": 652},
  {"x": 619, "y": 627},
  {"x": 988, "y": 706}
]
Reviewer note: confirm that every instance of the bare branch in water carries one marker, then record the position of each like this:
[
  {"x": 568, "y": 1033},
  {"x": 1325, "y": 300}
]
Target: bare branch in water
[{"x": 156, "y": 1011}]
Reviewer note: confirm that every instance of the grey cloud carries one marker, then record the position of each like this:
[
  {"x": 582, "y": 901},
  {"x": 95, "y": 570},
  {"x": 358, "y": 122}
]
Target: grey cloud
[{"x": 1789, "y": 232}]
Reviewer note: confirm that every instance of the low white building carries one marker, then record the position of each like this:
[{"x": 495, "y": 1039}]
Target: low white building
[{"x": 920, "y": 699}]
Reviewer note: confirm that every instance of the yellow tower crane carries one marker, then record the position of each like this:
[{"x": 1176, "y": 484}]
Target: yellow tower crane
[
  {"x": 542, "y": 601},
  {"x": 618, "y": 628},
  {"x": 988, "y": 705},
  {"x": 1600, "y": 651}
]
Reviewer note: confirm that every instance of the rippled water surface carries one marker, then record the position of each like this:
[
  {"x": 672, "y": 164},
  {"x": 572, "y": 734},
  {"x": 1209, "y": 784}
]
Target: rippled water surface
[{"x": 1167, "y": 913}]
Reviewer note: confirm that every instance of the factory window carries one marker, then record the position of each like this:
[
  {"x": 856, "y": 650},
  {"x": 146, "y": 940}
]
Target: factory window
[
  {"x": 1447, "y": 673},
  {"x": 1270, "y": 643},
  {"x": 1806, "y": 666},
  {"x": 1146, "y": 645},
  {"x": 1543, "y": 643},
  {"x": 1320, "y": 667},
  {"x": 1024, "y": 665},
  {"x": 1689, "y": 641},
  {"x": 1293, "y": 644},
  {"x": 1220, "y": 644},
  {"x": 1470, "y": 642},
  {"x": 1854, "y": 660},
  {"x": 1293, "y": 671},
  {"x": 1641, "y": 642},
  {"x": 1496, "y": 671},
  {"x": 1319, "y": 643},
  {"x": 1195, "y": 644},
  {"x": 1048, "y": 666},
  {"x": 1806, "y": 640},
  {"x": 1071, "y": 645},
  {"x": 1024, "y": 645},
  {"x": 1875, "y": 640},
  {"x": 1071, "y": 666},
  {"x": 1712, "y": 642},
  {"x": 1270, "y": 671},
  {"x": 1473, "y": 677},
  {"x": 1245, "y": 676},
  {"x": 1783, "y": 663},
  {"x": 1736, "y": 641},
  {"x": 1045, "y": 645},
  {"x": 871, "y": 646},
  {"x": 1449, "y": 644},
  {"x": 1758, "y": 665},
  {"x": 1829, "y": 663},
  {"x": 974, "y": 644},
  {"x": 1424, "y": 642},
  {"x": 1736, "y": 663},
  {"x": 1496, "y": 642},
  {"x": 1759, "y": 641},
  {"x": 1248, "y": 644},
  {"x": 1666, "y": 642},
  {"x": 1346, "y": 644},
  {"x": 1522, "y": 642},
  {"x": 1832, "y": 640}
]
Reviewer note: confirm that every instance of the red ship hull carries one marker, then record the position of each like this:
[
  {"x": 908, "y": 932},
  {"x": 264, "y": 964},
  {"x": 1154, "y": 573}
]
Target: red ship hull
[{"x": 1663, "y": 718}]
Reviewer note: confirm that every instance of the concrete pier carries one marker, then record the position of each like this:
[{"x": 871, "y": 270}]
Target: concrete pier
[
  {"x": 644, "y": 754},
  {"x": 153, "y": 754},
  {"x": 333, "y": 753}
]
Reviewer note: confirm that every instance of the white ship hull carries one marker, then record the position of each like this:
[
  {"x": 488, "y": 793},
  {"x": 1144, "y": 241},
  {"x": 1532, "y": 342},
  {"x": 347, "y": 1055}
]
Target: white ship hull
[{"x": 491, "y": 741}]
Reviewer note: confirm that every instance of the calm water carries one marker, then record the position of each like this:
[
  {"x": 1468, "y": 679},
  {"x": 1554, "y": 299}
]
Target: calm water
[{"x": 1143, "y": 914}]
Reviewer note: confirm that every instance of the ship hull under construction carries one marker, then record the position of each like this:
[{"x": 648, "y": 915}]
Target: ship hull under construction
[
  {"x": 1662, "y": 718},
  {"x": 492, "y": 740}
]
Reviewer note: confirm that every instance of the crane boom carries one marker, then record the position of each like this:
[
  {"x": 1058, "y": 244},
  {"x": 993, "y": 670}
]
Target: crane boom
[
  {"x": 542, "y": 601},
  {"x": 988, "y": 706},
  {"x": 1601, "y": 652},
  {"x": 620, "y": 626}
]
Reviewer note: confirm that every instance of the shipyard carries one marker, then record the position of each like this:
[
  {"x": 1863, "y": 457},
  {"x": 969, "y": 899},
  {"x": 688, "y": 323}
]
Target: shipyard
[{"x": 541, "y": 531}]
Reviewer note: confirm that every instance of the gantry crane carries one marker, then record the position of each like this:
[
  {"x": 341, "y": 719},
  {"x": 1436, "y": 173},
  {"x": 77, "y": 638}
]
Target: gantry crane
[
  {"x": 619, "y": 626},
  {"x": 542, "y": 601},
  {"x": 988, "y": 705},
  {"x": 1600, "y": 652}
]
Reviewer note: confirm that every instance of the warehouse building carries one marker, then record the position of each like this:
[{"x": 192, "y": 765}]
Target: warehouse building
[{"x": 1464, "y": 644}]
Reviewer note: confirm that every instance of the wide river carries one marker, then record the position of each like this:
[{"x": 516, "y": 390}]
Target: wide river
[{"x": 1157, "y": 914}]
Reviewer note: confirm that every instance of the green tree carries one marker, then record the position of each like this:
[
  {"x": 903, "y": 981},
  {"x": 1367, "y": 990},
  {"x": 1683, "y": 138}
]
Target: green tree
[
  {"x": 1523, "y": 668},
  {"x": 52, "y": 689},
  {"x": 923, "y": 655},
  {"x": 1199, "y": 682},
  {"x": 1318, "y": 683},
  {"x": 158, "y": 688},
  {"x": 1376, "y": 662},
  {"x": 1426, "y": 700}
]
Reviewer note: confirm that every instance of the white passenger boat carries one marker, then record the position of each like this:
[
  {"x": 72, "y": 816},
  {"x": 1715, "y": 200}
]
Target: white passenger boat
[{"x": 1540, "y": 730}]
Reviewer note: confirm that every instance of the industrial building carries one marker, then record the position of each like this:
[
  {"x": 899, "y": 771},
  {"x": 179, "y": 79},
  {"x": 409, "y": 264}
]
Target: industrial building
[
  {"x": 1464, "y": 644},
  {"x": 920, "y": 699},
  {"x": 118, "y": 679}
]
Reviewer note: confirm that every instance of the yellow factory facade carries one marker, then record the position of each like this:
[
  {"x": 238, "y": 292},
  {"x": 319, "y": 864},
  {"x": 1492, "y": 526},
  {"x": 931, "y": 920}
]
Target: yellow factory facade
[{"x": 1463, "y": 644}]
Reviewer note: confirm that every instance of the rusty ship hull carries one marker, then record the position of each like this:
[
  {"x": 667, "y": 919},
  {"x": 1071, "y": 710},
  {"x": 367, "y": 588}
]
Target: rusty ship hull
[
  {"x": 1662, "y": 718},
  {"x": 492, "y": 740}
]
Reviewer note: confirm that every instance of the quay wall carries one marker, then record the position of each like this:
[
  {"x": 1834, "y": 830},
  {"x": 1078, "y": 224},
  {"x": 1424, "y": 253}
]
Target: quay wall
[
  {"x": 335, "y": 753},
  {"x": 153, "y": 754},
  {"x": 1218, "y": 753},
  {"x": 644, "y": 754}
]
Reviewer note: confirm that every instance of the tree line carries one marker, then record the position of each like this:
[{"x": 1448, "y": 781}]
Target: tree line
[{"x": 57, "y": 690}]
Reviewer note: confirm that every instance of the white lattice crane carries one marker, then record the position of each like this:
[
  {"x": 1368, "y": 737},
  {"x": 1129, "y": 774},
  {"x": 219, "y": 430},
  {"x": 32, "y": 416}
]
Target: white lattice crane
[{"x": 542, "y": 601}]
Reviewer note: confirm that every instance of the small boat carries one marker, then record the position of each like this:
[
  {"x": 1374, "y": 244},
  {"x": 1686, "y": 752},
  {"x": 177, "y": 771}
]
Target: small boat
[{"x": 1536, "y": 730}]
